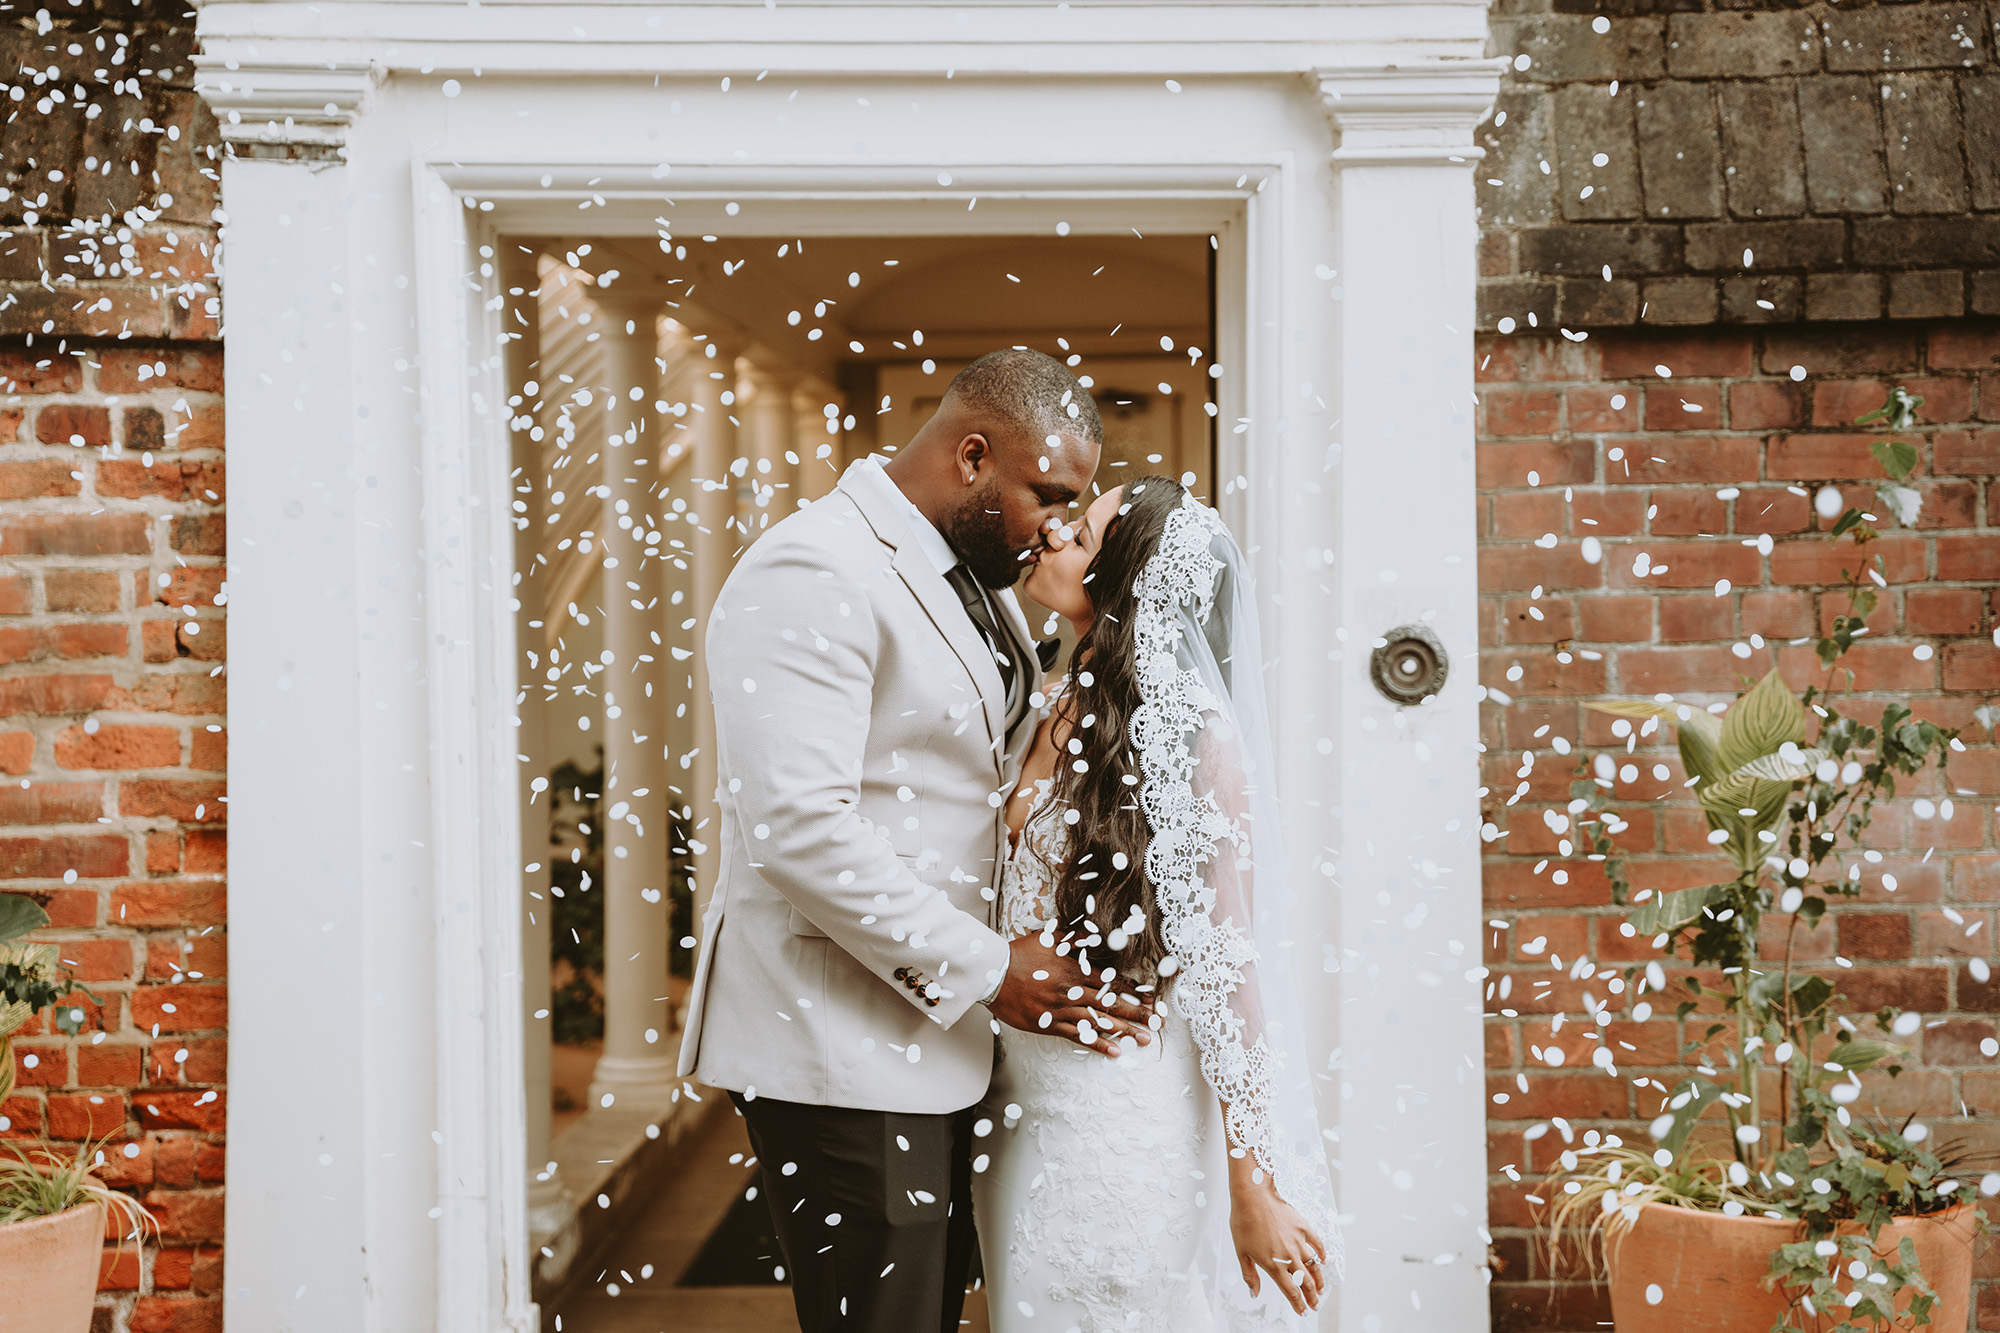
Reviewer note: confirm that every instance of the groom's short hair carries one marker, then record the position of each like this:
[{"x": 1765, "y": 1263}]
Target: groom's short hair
[{"x": 1031, "y": 391}]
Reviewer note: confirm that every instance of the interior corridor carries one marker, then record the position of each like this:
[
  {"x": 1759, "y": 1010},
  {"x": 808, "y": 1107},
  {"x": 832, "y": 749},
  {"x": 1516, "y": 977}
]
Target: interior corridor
[{"x": 670, "y": 400}]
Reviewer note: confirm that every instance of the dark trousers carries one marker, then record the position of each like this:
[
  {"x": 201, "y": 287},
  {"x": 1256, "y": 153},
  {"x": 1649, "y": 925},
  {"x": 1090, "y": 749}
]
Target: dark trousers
[{"x": 873, "y": 1211}]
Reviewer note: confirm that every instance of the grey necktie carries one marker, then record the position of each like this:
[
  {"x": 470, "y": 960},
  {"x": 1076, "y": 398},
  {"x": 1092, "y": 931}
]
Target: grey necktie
[{"x": 968, "y": 589}]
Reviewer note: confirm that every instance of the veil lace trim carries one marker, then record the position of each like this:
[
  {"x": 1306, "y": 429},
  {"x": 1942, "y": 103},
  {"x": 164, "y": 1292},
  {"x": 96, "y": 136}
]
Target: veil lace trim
[{"x": 1187, "y": 828}]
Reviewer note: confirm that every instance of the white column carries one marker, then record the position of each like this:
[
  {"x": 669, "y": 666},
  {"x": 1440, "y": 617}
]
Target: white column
[
  {"x": 771, "y": 439},
  {"x": 715, "y": 550},
  {"x": 816, "y": 475},
  {"x": 548, "y": 1200},
  {"x": 637, "y": 1065},
  {"x": 1412, "y": 1105},
  {"x": 317, "y": 832}
]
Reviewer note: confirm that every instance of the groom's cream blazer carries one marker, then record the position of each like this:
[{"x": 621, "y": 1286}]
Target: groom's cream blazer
[{"x": 861, "y": 729}]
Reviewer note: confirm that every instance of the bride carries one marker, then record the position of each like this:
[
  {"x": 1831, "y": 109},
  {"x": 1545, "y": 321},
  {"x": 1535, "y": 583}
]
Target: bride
[{"x": 1180, "y": 1188}]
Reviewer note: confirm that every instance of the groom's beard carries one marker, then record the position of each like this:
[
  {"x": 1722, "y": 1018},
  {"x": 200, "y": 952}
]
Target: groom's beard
[{"x": 977, "y": 531}]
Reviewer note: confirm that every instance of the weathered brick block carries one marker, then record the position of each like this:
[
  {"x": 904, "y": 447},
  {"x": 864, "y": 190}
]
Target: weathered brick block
[
  {"x": 1679, "y": 155},
  {"x": 1771, "y": 299},
  {"x": 1517, "y": 299},
  {"x": 1985, "y": 296},
  {"x": 1762, "y": 149},
  {"x": 1844, "y": 351},
  {"x": 1515, "y": 151},
  {"x": 1920, "y": 125},
  {"x": 92, "y": 856},
  {"x": 1817, "y": 243},
  {"x": 1918, "y": 36},
  {"x": 1980, "y": 98},
  {"x": 34, "y": 478},
  {"x": 1629, "y": 251},
  {"x": 1677, "y": 301},
  {"x": 1597, "y": 154},
  {"x": 118, "y": 747},
  {"x": 84, "y": 590},
  {"x": 1970, "y": 346},
  {"x": 1843, "y": 296},
  {"x": 1635, "y": 355},
  {"x": 74, "y": 534},
  {"x": 1927, "y": 294},
  {"x": 74, "y": 424},
  {"x": 1565, "y": 48},
  {"x": 1971, "y": 241},
  {"x": 1593, "y": 303},
  {"x": 1839, "y": 120},
  {"x": 1742, "y": 45}
]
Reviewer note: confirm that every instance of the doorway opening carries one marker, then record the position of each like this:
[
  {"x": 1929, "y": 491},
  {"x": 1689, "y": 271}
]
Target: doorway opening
[{"x": 670, "y": 400}]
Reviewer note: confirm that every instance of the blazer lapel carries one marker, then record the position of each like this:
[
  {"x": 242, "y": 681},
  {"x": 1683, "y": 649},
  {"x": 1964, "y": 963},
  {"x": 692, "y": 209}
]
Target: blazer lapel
[
  {"x": 940, "y": 602},
  {"x": 1015, "y": 622}
]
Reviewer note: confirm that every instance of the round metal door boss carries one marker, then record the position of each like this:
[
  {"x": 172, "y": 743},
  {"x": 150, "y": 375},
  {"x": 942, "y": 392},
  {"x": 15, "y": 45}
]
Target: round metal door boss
[{"x": 1410, "y": 665}]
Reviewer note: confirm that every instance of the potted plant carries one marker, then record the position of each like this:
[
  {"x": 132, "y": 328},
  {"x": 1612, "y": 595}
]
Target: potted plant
[
  {"x": 1805, "y": 1214},
  {"x": 52, "y": 1208}
]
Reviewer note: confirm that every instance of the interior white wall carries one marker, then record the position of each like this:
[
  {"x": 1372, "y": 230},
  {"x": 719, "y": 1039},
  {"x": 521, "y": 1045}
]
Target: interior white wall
[{"x": 332, "y": 494}]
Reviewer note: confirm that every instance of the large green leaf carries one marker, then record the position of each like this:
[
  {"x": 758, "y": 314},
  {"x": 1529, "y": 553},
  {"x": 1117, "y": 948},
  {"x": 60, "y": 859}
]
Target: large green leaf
[
  {"x": 1700, "y": 736},
  {"x": 1698, "y": 731},
  {"x": 1760, "y": 722},
  {"x": 19, "y": 915},
  {"x": 1777, "y": 768},
  {"x": 1671, "y": 911},
  {"x": 1861, "y": 1053},
  {"x": 1724, "y": 803}
]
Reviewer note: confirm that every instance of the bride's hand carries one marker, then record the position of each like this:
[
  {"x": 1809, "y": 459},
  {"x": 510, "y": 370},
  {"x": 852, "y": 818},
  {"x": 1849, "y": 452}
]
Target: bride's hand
[{"x": 1270, "y": 1235}]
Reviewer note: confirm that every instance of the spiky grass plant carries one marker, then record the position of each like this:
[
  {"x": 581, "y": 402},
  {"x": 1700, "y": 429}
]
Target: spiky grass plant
[
  {"x": 1597, "y": 1190},
  {"x": 40, "y": 1182}
]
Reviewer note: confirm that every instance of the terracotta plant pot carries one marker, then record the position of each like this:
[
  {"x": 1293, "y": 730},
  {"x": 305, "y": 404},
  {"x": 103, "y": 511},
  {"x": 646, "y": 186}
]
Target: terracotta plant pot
[
  {"x": 1709, "y": 1270},
  {"x": 48, "y": 1271}
]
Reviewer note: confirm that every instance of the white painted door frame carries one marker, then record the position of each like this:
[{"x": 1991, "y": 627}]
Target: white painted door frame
[{"x": 370, "y": 556}]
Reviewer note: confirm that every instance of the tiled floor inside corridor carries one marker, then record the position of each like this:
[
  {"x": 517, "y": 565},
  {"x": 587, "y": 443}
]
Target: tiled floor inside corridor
[{"x": 667, "y": 1236}]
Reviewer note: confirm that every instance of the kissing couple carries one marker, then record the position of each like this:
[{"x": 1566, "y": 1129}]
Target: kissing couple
[{"x": 988, "y": 947}]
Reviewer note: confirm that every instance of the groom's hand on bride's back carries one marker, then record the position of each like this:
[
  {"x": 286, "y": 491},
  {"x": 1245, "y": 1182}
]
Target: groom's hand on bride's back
[{"x": 1048, "y": 993}]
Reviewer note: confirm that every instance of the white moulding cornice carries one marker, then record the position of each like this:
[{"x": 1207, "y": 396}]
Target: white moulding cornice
[
  {"x": 1409, "y": 114},
  {"x": 290, "y": 103},
  {"x": 1146, "y": 38}
]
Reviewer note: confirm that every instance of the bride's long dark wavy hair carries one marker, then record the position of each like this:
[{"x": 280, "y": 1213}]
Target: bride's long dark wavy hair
[{"x": 1102, "y": 884}]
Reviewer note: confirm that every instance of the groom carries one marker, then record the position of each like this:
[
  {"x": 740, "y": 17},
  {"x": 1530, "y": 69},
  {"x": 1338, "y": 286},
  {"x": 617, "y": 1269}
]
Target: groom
[{"x": 871, "y": 676}]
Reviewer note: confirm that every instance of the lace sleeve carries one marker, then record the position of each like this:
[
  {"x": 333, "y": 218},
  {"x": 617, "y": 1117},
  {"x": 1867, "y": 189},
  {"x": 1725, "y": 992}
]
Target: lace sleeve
[{"x": 1216, "y": 856}]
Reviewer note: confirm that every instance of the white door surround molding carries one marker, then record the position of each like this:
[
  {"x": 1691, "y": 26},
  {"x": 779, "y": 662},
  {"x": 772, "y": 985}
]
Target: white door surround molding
[{"x": 1327, "y": 147}]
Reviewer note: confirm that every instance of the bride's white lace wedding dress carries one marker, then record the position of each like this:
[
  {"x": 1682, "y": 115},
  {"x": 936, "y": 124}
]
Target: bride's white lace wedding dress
[
  {"x": 1105, "y": 1178},
  {"x": 1101, "y": 1185}
]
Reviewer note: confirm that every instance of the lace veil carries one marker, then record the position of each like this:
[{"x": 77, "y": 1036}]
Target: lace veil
[{"x": 1216, "y": 856}]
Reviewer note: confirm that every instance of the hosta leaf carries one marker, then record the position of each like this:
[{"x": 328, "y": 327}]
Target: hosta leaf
[
  {"x": 1639, "y": 708},
  {"x": 1700, "y": 736},
  {"x": 1761, "y": 721},
  {"x": 1670, "y": 911},
  {"x": 1861, "y": 1053},
  {"x": 19, "y": 915},
  {"x": 1777, "y": 768},
  {"x": 1723, "y": 803}
]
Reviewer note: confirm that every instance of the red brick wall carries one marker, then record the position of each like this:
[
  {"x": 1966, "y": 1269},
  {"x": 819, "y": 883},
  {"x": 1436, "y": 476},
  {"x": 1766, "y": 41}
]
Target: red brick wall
[
  {"x": 1730, "y": 417},
  {"x": 112, "y": 801}
]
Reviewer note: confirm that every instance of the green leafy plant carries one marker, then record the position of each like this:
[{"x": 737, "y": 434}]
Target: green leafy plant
[
  {"x": 1786, "y": 810},
  {"x": 40, "y": 1182},
  {"x": 31, "y": 979},
  {"x": 576, "y": 873}
]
